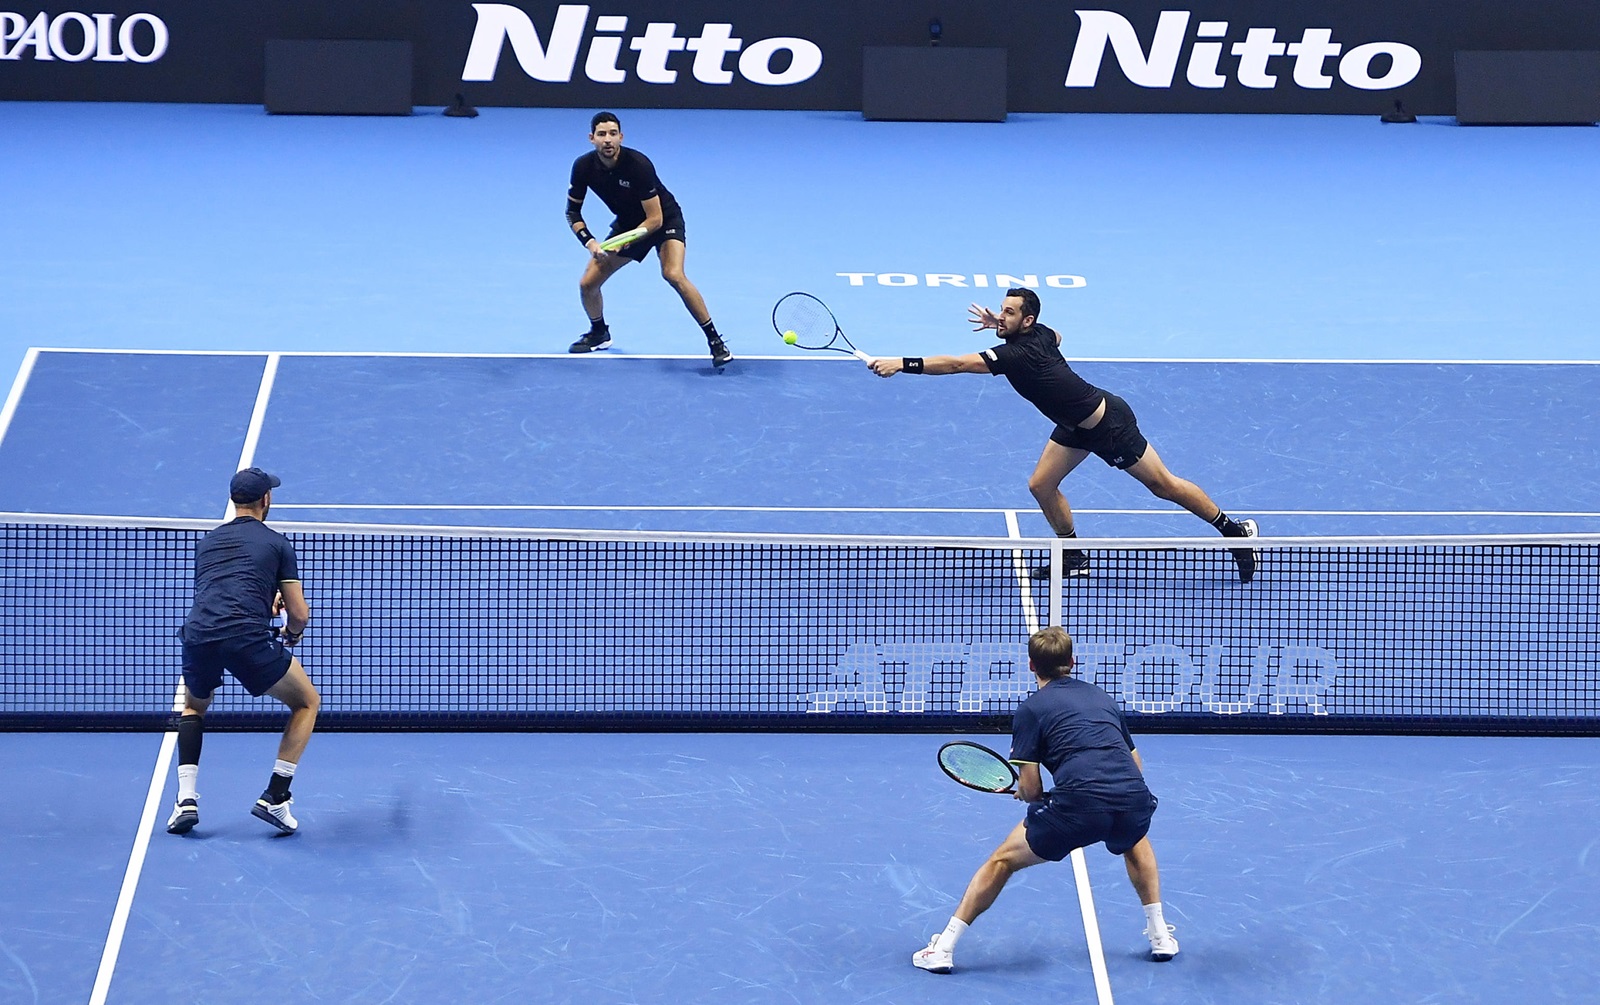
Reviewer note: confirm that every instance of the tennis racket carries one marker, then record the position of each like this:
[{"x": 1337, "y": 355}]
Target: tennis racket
[
  {"x": 623, "y": 239},
  {"x": 813, "y": 326},
  {"x": 977, "y": 767}
]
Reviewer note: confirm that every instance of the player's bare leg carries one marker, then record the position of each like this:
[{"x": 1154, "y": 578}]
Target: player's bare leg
[
  {"x": 1153, "y": 474},
  {"x": 296, "y": 691},
  {"x": 1140, "y": 861},
  {"x": 1011, "y": 857},
  {"x": 594, "y": 276},
  {"x": 671, "y": 253},
  {"x": 1163, "y": 484},
  {"x": 1055, "y": 463}
]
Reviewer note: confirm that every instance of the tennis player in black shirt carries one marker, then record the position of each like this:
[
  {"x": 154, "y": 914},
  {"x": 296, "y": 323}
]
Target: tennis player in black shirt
[
  {"x": 626, "y": 182},
  {"x": 1088, "y": 420}
]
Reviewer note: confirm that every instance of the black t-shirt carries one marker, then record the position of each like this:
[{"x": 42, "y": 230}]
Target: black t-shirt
[
  {"x": 237, "y": 569},
  {"x": 623, "y": 187},
  {"x": 1032, "y": 362},
  {"x": 1076, "y": 732}
]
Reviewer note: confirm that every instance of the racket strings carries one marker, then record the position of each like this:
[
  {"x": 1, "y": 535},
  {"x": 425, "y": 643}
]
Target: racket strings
[
  {"x": 809, "y": 319},
  {"x": 977, "y": 767}
]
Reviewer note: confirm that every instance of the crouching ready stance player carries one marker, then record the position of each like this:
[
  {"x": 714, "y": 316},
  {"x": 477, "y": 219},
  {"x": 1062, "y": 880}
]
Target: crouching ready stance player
[
  {"x": 241, "y": 569},
  {"x": 1076, "y": 731}
]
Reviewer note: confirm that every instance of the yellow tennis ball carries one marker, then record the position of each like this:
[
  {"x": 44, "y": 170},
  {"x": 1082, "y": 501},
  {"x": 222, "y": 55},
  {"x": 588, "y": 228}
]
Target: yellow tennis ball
[{"x": 791, "y": 337}]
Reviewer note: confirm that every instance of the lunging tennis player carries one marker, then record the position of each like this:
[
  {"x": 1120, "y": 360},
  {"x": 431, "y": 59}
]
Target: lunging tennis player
[
  {"x": 1076, "y": 731},
  {"x": 625, "y": 180},
  {"x": 1088, "y": 420}
]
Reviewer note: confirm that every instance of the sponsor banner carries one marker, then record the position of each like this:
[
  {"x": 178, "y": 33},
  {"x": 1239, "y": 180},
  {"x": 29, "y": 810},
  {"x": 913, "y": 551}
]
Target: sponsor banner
[{"x": 1226, "y": 56}]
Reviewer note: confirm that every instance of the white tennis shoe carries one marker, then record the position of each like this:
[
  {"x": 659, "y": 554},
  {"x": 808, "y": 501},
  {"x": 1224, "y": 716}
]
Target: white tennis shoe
[
  {"x": 185, "y": 814},
  {"x": 1163, "y": 946},
  {"x": 933, "y": 959},
  {"x": 276, "y": 814}
]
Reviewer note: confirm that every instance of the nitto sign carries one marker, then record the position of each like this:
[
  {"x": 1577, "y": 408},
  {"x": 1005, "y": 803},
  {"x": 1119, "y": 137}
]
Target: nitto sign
[
  {"x": 1313, "y": 61},
  {"x": 553, "y": 58},
  {"x": 74, "y": 37}
]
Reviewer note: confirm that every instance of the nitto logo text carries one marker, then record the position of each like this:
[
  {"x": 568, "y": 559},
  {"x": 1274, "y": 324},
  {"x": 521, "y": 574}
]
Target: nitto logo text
[
  {"x": 73, "y": 37},
  {"x": 1373, "y": 66},
  {"x": 554, "y": 61}
]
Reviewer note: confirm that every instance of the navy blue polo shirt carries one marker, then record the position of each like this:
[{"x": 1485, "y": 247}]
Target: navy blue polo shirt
[
  {"x": 237, "y": 569},
  {"x": 1076, "y": 731}
]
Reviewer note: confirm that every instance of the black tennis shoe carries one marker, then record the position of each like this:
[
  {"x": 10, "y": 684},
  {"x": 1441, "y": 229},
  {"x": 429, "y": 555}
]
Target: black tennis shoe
[
  {"x": 1248, "y": 558},
  {"x": 592, "y": 342},
  {"x": 720, "y": 356},
  {"x": 1074, "y": 564}
]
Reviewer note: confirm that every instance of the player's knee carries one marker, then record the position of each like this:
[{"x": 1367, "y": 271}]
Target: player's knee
[
  {"x": 675, "y": 278},
  {"x": 1042, "y": 486}
]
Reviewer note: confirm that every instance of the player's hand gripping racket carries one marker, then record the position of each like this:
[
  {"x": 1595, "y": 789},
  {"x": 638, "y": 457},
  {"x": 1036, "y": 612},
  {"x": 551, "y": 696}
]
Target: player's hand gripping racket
[
  {"x": 978, "y": 767},
  {"x": 623, "y": 239},
  {"x": 812, "y": 326}
]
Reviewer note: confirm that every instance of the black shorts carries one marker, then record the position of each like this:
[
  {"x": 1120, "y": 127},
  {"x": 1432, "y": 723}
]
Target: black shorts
[
  {"x": 671, "y": 230},
  {"x": 1115, "y": 439},
  {"x": 256, "y": 661},
  {"x": 1055, "y": 827}
]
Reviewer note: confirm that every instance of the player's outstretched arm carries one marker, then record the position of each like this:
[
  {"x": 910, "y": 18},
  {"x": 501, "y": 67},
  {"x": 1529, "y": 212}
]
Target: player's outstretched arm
[{"x": 888, "y": 366}]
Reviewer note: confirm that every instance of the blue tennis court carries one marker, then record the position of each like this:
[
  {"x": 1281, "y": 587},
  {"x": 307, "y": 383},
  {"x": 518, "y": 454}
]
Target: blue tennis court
[{"x": 392, "y": 349}]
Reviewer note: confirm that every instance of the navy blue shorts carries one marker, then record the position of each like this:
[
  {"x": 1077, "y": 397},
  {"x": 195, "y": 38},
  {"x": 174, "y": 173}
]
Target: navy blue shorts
[
  {"x": 256, "y": 661},
  {"x": 1115, "y": 439},
  {"x": 1055, "y": 827}
]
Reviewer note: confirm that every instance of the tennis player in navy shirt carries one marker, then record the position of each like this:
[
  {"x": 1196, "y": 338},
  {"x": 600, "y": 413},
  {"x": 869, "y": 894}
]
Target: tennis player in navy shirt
[
  {"x": 243, "y": 572},
  {"x": 1076, "y": 732}
]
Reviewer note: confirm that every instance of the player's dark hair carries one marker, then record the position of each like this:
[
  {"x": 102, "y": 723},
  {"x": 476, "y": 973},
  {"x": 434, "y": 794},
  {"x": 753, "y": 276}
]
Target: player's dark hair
[
  {"x": 1050, "y": 652},
  {"x": 1030, "y": 300},
  {"x": 600, "y": 117}
]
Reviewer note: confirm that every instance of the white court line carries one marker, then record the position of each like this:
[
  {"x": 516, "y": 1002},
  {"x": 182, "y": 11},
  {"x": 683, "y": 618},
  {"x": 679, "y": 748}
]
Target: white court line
[
  {"x": 977, "y": 510},
  {"x": 169, "y": 743},
  {"x": 812, "y": 357},
  {"x": 10, "y": 408},
  {"x": 1080, "y": 866}
]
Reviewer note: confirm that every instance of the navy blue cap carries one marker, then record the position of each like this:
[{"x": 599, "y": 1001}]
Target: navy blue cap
[{"x": 250, "y": 485}]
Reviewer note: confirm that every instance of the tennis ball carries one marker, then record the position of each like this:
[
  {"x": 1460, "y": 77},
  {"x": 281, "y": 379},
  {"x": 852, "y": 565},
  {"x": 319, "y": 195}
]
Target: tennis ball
[{"x": 791, "y": 338}]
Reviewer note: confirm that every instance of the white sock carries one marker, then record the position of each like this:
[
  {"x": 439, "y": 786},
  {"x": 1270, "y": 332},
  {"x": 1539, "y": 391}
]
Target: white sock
[
  {"x": 1153, "y": 918},
  {"x": 284, "y": 768},
  {"x": 187, "y": 773},
  {"x": 951, "y": 935}
]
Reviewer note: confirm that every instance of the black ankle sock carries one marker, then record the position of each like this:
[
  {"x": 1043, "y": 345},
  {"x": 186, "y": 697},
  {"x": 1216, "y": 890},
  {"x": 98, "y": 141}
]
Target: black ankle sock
[
  {"x": 710, "y": 329},
  {"x": 277, "y": 787},
  {"x": 1227, "y": 525},
  {"x": 597, "y": 326},
  {"x": 191, "y": 731}
]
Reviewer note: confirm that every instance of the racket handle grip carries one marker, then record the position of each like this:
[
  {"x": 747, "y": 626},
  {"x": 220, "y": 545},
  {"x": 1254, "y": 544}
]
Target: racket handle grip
[{"x": 863, "y": 357}]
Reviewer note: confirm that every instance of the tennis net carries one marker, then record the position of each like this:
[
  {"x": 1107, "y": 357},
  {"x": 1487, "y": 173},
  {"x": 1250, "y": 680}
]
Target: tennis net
[{"x": 491, "y": 628}]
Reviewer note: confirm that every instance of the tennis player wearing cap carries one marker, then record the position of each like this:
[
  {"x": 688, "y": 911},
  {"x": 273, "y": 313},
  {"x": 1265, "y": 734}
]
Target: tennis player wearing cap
[
  {"x": 1088, "y": 420},
  {"x": 242, "y": 571},
  {"x": 1076, "y": 731}
]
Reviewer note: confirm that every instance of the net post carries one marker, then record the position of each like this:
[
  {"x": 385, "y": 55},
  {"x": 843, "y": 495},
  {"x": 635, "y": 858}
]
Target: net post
[{"x": 1057, "y": 551}]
